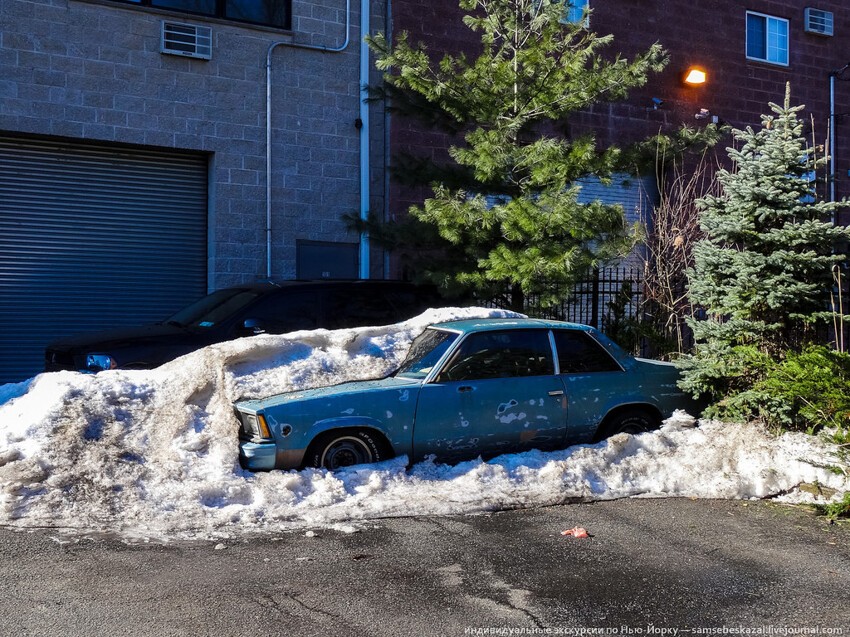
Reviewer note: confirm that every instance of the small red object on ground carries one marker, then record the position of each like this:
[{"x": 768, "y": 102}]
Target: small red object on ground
[{"x": 576, "y": 532}]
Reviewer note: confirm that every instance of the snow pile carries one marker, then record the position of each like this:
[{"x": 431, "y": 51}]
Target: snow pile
[{"x": 154, "y": 453}]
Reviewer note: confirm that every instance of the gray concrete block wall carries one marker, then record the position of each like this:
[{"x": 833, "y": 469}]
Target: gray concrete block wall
[{"x": 92, "y": 69}]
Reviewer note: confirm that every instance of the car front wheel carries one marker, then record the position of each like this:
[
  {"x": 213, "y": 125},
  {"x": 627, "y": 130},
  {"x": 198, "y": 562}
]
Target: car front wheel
[
  {"x": 335, "y": 450},
  {"x": 631, "y": 421}
]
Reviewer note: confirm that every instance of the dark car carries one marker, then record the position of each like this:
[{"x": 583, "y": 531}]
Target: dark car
[{"x": 273, "y": 308}]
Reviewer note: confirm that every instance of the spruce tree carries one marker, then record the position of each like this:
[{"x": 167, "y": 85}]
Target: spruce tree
[
  {"x": 763, "y": 271},
  {"x": 506, "y": 206}
]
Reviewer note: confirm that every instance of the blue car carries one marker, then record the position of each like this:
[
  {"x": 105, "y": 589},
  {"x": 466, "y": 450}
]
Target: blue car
[{"x": 466, "y": 389}]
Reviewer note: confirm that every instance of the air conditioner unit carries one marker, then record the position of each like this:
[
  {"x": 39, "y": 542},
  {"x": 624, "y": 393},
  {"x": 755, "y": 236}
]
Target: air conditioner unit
[
  {"x": 188, "y": 40},
  {"x": 819, "y": 21}
]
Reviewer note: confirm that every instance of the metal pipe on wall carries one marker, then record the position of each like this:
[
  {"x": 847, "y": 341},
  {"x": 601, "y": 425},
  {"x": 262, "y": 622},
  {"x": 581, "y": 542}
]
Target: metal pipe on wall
[
  {"x": 832, "y": 138},
  {"x": 272, "y": 47},
  {"x": 388, "y": 25},
  {"x": 365, "y": 266},
  {"x": 832, "y": 77}
]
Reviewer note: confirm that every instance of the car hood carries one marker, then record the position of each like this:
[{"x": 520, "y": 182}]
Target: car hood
[
  {"x": 110, "y": 340},
  {"x": 360, "y": 387}
]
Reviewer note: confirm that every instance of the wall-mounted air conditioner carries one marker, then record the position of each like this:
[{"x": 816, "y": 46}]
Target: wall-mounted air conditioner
[
  {"x": 819, "y": 21},
  {"x": 188, "y": 40}
]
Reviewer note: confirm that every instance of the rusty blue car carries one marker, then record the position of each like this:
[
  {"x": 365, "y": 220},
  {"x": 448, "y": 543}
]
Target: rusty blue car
[{"x": 467, "y": 388}]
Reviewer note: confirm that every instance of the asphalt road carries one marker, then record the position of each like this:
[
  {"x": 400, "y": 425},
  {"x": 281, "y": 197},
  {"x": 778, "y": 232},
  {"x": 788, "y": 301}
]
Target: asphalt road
[{"x": 651, "y": 567}]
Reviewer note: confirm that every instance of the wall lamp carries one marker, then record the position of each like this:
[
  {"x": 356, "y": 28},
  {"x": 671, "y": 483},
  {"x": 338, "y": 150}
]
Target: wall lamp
[{"x": 695, "y": 76}]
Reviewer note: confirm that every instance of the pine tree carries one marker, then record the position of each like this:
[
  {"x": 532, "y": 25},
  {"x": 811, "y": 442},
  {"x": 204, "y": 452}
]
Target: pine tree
[
  {"x": 507, "y": 207},
  {"x": 763, "y": 271}
]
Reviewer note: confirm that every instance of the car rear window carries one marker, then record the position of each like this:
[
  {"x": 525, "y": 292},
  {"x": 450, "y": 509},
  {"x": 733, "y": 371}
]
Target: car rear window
[{"x": 578, "y": 353}]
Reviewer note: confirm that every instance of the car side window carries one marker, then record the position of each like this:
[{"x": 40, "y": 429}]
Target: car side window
[
  {"x": 285, "y": 311},
  {"x": 501, "y": 354},
  {"x": 578, "y": 353},
  {"x": 356, "y": 308}
]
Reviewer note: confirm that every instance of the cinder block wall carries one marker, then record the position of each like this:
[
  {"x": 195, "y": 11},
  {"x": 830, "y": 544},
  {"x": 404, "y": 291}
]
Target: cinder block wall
[{"x": 92, "y": 69}]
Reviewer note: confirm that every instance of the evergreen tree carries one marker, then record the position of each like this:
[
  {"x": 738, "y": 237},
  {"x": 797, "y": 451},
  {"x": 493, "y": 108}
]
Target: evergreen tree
[
  {"x": 763, "y": 271},
  {"x": 506, "y": 208}
]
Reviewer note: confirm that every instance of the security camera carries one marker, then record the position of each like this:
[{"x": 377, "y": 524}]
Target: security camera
[
  {"x": 704, "y": 113},
  {"x": 656, "y": 102}
]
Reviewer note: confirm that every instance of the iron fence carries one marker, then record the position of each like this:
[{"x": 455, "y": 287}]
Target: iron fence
[
  {"x": 614, "y": 301},
  {"x": 604, "y": 297}
]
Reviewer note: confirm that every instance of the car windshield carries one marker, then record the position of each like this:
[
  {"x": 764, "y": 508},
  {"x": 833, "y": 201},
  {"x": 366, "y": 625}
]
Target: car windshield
[
  {"x": 424, "y": 353},
  {"x": 214, "y": 308}
]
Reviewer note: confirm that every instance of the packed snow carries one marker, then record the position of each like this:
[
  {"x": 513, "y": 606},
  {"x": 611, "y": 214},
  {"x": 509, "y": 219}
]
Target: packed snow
[{"x": 154, "y": 455}]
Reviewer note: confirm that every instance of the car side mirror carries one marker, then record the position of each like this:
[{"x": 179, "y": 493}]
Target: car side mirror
[{"x": 255, "y": 326}]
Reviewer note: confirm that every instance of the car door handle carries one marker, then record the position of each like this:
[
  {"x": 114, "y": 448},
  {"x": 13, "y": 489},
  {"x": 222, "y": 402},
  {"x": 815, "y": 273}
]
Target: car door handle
[
  {"x": 464, "y": 388},
  {"x": 557, "y": 392}
]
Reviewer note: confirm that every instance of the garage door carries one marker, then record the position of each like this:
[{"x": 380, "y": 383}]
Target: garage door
[{"x": 93, "y": 237}]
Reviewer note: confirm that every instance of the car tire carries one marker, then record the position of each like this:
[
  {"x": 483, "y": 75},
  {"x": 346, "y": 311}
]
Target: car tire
[
  {"x": 338, "y": 449},
  {"x": 629, "y": 421}
]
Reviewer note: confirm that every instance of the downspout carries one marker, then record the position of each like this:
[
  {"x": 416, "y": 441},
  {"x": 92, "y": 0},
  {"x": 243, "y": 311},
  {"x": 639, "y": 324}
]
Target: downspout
[
  {"x": 272, "y": 47},
  {"x": 832, "y": 140},
  {"x": 832, "y": 76},
  {"x": 365, "y": 20},
  {"x": 388, "y": 22}
]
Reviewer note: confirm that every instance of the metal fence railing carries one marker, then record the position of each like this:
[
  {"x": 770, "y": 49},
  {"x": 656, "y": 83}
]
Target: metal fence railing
[
  {"x": 605, "y": 295},
  {"x": 607, "y": 298}
]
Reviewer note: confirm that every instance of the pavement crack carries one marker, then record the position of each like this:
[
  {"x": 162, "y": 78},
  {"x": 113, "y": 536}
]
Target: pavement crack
[
  {"x": 267, "y": 601},
  {"x": 294, "y": 597},
  {"x": 517, "y": 600},
  {"x": 531, "y": 616}
]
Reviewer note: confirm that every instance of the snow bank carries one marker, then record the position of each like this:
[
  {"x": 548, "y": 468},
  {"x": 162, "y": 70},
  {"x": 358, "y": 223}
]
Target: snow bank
[{"x": 154, "y": 453}]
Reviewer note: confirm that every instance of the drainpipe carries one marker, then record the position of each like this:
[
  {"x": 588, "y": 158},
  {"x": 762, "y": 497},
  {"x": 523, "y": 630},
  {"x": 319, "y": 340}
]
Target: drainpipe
[
  {"x": 388, "y": 23},
  {"x": 365, "y": 19},
  {"x": 832, "y": 139},
  {"x": 272, "y": 47},
  {"x": 832, "y": 77}
]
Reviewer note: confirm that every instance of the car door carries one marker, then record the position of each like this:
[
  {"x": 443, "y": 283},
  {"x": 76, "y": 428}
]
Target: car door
[
  {"x": 496, "y": 394},
  {"x": 593, "y": 379}
]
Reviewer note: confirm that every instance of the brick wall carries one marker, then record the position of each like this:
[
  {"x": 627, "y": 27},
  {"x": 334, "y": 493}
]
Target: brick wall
[{"x": 710, "y": 33}]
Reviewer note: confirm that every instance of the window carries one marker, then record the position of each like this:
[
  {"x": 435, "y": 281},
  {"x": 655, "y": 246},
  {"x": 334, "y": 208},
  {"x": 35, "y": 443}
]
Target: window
[
  {"x": 507, "y": 354},
  {"x": 276, "y": 13},
  {"x": 326, "y": 260},
  {"x": 215, "y": 307},
  {"x": 767, "y": 38},
  {"x": 578, "y": 353},
  {"x": 359, "y": 306},
  {"x": 574, "y": 10},
  {"x": 425, "y": 351},
  {"x": 285, "y": 311}
]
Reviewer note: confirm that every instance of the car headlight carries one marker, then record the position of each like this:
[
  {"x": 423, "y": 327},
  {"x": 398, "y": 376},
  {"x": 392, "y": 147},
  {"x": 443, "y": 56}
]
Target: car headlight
[
  {"x": 256, "y": 426},
  {"x": 99, "y": 362}
]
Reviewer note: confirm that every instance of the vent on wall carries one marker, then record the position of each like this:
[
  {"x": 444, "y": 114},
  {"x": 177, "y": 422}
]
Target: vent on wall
[
  {"x": 187, "y": 40},
  {"x": 818, "y": 21}
]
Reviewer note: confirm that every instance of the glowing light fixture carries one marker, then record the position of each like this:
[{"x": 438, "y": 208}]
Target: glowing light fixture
[{"x": 695, "y": 76}]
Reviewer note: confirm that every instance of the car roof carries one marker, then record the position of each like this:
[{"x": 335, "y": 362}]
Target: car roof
[
  {"x": 480, "y": 325},
  {"x": 324, "y": 283}
]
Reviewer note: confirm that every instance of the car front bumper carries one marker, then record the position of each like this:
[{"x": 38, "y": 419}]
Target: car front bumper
[{"x": 257, "y": 456}]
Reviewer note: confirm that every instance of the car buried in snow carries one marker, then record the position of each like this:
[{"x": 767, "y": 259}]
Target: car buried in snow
[{"x": 467, "y": 388}]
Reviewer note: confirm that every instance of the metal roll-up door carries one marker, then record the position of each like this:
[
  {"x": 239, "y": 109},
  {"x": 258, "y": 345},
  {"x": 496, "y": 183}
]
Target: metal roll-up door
[{"x": 93, "y": 237}]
